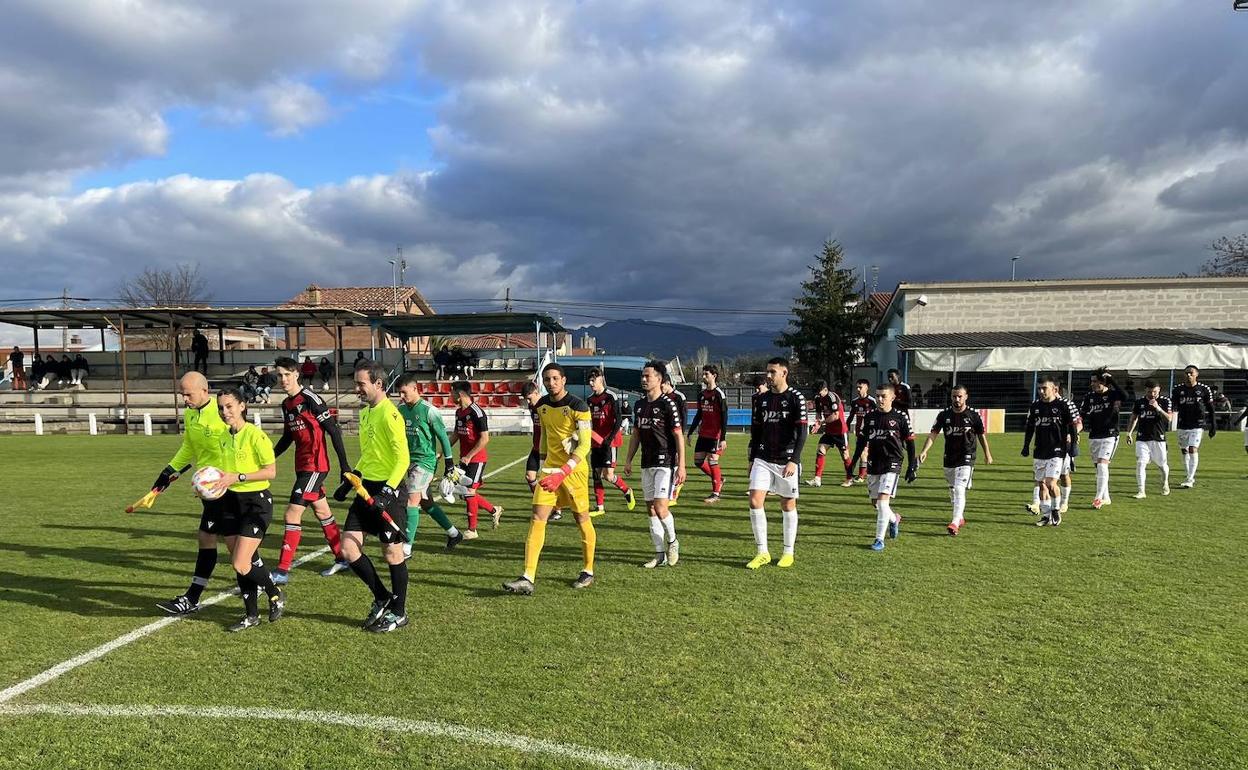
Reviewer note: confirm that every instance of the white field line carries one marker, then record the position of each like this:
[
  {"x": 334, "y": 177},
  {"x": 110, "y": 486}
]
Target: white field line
[
  {"x": 478, "y": 736},
  {"x": 38, "y": 680}
]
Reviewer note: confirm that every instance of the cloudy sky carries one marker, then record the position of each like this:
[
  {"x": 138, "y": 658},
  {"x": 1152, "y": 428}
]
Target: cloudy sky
[{"x": 655, "y": 153}]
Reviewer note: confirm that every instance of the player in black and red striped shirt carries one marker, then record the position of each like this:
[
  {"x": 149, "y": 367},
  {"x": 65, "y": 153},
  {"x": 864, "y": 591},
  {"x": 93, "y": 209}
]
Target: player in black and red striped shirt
[
  {"x": 472, "y": 433},
  {"x": 863, "y": 404},
  {"x": 310, "y": 425},
  {"x": 604, "y": 417},
  {"x": 710, "y": 423},
  {"x": 830, "y": 418}
]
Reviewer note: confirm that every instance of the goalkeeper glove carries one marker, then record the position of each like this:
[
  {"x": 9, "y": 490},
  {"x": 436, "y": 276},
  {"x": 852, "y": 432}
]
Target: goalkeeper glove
[
  {"x": 912, "y": 473},
  {"x": 344, "y": 489},
  {"x": 164, "y": 479},
  {"x": 387, "y": 497},
  {"x": 1026, "y": 450},
  {"x": 1213, "y": 430},
  {"x": 449, "y": 467}
]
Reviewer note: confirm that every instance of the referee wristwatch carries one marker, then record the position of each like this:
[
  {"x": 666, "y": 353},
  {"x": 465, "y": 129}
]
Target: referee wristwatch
[{"x": 242, "y": 477}]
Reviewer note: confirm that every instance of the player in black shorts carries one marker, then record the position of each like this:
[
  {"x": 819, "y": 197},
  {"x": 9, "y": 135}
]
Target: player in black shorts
[{"x": 248, "y": 465}]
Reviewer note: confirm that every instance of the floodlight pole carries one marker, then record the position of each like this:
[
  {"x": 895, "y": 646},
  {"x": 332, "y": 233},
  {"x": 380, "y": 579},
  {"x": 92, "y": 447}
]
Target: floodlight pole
[{"x": 1014, "y": 266}]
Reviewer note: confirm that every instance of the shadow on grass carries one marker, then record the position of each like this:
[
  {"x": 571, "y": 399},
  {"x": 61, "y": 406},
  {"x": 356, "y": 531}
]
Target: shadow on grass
[
  {"x": 125, "y": 558},
  {"x": 89, "y": 598}
]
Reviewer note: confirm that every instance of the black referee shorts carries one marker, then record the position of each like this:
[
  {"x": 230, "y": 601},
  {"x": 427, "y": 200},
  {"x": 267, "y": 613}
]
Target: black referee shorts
[
  {"x": 362, "y": 517},
  {"x": 216, "y": 518}
]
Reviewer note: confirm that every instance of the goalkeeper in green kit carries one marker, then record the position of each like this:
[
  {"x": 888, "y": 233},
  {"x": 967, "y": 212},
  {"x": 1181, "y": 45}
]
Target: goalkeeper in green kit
[{"x": 424, "y": 427}]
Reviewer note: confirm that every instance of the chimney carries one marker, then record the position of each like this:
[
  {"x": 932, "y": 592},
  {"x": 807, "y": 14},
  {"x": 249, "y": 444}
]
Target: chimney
[{"x": 314, "y": 295}]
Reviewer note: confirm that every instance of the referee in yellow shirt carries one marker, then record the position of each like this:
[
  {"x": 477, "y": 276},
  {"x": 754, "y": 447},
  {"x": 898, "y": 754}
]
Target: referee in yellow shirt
[
  {"x": 563, "y": 479},
  {"x": 247, "y": 465},
  {"x": 383, "y": 467}
]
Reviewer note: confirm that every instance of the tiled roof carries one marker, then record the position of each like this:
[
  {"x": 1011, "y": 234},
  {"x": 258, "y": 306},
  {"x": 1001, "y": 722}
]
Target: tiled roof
[
  {"x": 877, "y": 303},
  {"x": 366, "y": 299},
  {"x": 494, "y": 341}
]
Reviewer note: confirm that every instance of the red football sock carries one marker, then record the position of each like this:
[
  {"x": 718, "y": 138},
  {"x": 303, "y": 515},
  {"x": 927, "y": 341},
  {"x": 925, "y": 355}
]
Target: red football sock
[
  {"x": 705, "y": 467},
  {"x": 819, "y": 461},
  {"x": 717, "y": 479},
  {"x": 862, "y": 472},
  {"x": 332, "y": 536},
  {"x": 849, "y": 469},
  {"x": 482, "y": 502},
  {"x": 290, "y": 543},
  {"x": 472, "y": 504},
  {"x": 620, "y": 485}
]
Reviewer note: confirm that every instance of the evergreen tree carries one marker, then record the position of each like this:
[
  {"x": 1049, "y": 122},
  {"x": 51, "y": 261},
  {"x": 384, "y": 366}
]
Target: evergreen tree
[{"x": 831, "y": 322}]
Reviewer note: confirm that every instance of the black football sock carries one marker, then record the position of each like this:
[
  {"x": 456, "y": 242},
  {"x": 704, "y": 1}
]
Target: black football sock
[
  {"x": 364, "y": 568},
  {"x": 205, "y": 563},
  {"x": 398, "y": 579},
  {"x": 248, "y": 590}
]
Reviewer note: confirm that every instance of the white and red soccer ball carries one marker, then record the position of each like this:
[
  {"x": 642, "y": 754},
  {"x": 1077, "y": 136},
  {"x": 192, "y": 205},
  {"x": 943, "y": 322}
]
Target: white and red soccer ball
[{"x": 201, "y": 480}]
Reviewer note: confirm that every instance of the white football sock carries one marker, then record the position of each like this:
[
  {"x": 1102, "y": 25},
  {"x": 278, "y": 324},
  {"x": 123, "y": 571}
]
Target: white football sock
[
  {"x": 1065, "y": 500},
  {"x": 1139, "y": 474},
  {"x": 789, "y": 519},
  {"x": 1102, "y": 481},
  {"x": 883, "y": 514},
  {"x": 1046, "y": 508},
  {"x": 1165, "y": 473},
  {"x": 656, "y": 534},
  {"x": 669, "y": 527},
  {"x": 1035, "y": 495},
  {"x": 1195, "y": 461},
  {"x": 958, "y": 493},
  {"x": 758, "y": 522}
]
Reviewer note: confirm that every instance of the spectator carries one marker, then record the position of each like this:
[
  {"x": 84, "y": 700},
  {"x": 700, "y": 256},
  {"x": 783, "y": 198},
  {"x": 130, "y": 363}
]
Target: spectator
[
  {"x": 80, "y": 370},
  {"x": 251, "y": 384},
  {"x": 307, "y": 372},
  {"x": 470, "y": 363},
  {"x": 18, "y": 359},
  {"x": 933, "y": 394},
  {"x": 1130, "y": 392},
  {"x": 326, "y": 370},
  {"x": 64, "y": 371},
  {"x": 38, "y": 373},
  {"x": 917, "y": 393},
  {"x": 442, "y": 360},
  {"x": 199, "y": 347},
  {"x": 268, "y": 381},
  {"x": 1222, "y": 406},
  {"x": 359, "y": 357}
]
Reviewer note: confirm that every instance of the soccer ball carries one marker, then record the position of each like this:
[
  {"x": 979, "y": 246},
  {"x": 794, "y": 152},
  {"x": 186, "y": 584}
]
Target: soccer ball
[{"x": 202, "y": 478}]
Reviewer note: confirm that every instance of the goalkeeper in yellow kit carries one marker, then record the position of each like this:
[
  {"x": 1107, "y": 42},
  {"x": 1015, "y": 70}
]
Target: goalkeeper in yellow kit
[{"x": 563, "y": 479}]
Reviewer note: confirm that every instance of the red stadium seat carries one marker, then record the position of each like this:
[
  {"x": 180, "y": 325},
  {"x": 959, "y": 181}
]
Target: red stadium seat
[
  {"x": 511, "y": 401},
  {"x": 476, "y": 387},
  {"x": 444, "y": 388},
  {"x": 487, "y": 387},
  {"x": 496, "y": 401}
]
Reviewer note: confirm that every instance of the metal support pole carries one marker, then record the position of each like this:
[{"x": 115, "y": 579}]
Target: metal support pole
[
  {"x": 36, "y": 330},
  {"x": 173, "y": 362},
  {"x": 954, "y": 379},
  {"x": 337, "y": 358},
  {"x": 1035, "y": 384},
  {"x": 221, "y": 343},
  {"x": 125, "y": 384}
]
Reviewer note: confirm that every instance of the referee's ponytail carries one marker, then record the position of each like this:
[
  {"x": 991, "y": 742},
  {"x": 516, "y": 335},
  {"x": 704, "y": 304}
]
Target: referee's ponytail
[{"x": 233, "y": 392}]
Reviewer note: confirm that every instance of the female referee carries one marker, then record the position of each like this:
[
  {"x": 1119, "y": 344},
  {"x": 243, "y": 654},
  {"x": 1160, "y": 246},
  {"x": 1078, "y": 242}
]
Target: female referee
[{"x": 247, "y": 454}]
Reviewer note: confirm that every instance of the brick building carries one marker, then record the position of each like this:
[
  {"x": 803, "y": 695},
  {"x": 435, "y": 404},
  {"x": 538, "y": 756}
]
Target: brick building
[{"x": 370, "y": 300}]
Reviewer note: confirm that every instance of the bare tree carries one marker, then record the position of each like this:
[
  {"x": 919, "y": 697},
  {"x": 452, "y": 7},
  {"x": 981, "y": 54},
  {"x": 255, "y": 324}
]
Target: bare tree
[
  {"x": 180, "y": 286},
  {"x": 1230, "y": 256}
]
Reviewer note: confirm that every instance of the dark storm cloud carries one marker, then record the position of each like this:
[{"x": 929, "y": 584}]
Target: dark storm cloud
[{"x": 691, "y": 153}]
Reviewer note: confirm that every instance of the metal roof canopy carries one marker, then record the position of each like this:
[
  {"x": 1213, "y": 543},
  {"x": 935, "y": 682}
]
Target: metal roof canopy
[
  {"x": 162, "y": 317},
  {"x": 455, "y": 324},
  {"x": 1069, "y": 339}
]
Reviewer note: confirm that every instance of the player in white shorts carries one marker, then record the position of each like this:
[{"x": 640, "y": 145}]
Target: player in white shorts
[
  {"x": 1052, "y": 422},
  {"x": 883, "y": 436},
  {"x": 658, "y": 431},
  {"x": 962, "y": 428},
  {"x": 1150, "y": 417},
  {"x": 1068, "y": 462},
  {"x": 1100, "y": 411},
  {"x": 777, "y": 435},
  {"x": 1193, "y": 404}
]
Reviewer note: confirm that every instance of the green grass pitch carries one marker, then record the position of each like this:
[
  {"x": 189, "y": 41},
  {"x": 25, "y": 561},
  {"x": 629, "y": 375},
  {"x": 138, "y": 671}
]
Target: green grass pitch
[{"x": 1117, "y": 640}]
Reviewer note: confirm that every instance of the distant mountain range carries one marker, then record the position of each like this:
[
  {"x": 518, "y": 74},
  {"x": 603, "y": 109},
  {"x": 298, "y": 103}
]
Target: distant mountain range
[{"x": 637, "y": 337}]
